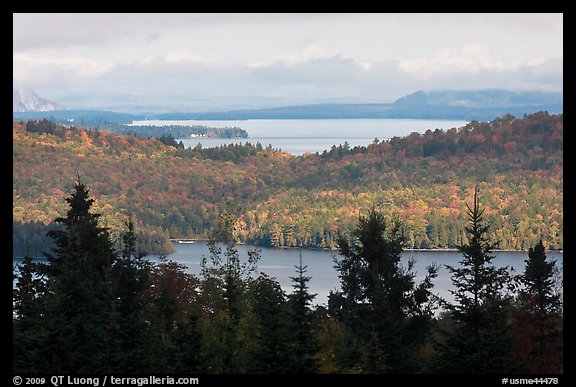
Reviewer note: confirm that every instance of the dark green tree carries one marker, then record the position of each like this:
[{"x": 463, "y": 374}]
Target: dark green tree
[
  {"x": 129, "y": 335},
  {"x": 28, "y": 331},
  {"x": 272, "y": 345},
  {"x": 302, "y": 347},
  {"x": 79, "y": 292},
  {"x": 539, "y": 283},
  {"x": 93, "y": 310},
  {"x": 82, "y": 243},
  {"x": 175, "y": 314},
  {"x": 226, "y": 283},
  {"x": 539, "y": 318},
  {"x": 29, "y": 288},
  {"x": 379, "y": 299},
  {"x": 481, "y": 341}
]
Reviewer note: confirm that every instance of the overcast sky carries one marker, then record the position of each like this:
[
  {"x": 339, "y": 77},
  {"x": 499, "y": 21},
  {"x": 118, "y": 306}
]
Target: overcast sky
[{"x": 221, "y": 61}]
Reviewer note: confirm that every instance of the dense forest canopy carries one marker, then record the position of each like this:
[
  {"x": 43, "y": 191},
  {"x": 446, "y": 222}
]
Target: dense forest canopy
[
  {"x": 284, "y": 200},
  {"x": 97, "y": 308},
  {"x": 176, "y": 131}
]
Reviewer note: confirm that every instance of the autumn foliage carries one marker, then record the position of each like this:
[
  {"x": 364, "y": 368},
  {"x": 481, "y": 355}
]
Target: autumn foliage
[{"x": 286, "y": 200}]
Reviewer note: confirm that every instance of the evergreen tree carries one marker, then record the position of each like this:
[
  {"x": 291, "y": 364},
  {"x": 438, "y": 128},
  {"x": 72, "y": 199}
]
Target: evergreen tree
[
  {"x": 272, "y": 345},
  {"x": 128, "y": 333},
  {"x": 29, "y": 288},
  {"x": 82, "y": 243},
  {"x": 302, "y": 348},
  {"x": 539, "y": 283},
  {"x": 79, "y": 292},
  {"x": 226, "y": 283},
  {"x": 538, "y": 320},
  {"x": 186, "y": 356},
  {"x": 174, "y": 319},
  {"x": 92, "y": 310},
  {"x": 28, "y": 331},
  {"x": 379, "y": 300},
  {"x": 481, "y": 340}
]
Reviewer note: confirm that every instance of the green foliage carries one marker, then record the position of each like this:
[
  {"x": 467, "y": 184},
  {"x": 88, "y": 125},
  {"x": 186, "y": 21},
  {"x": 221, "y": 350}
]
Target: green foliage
[
  {"x": 78, "y": 274},
  {"x": 100, "y": 307},
  {"x": 538, "y": 318},
  {"x": 128, "y": 332},
  {"x": 92, "y": 309},
  {"x": 28, "y": 333},
  {"x": 169, "y": 140},
  {"x": 119, "y": 125},
  {"x": 303, "y": 347},
  {"x": 231, "y": 331},
  {"x": 379, "y": 305},
  {"x": 481, "y": 341},
  {"x": 174, "y": 310},
  {"x": 301, "y": 201},
  {"x": 538, "y": 280},
  {"x": 272, "y": 347},
  {"x": 175, "y": 131}
]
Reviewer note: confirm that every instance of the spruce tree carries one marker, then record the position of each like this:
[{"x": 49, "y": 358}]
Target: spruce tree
[
  {"x": 538, "y": 280},
  {"x": 29, "y": 289},
  {"x": 28, "y": 329},
  {"x": 80, "y": 296},
  {"x": 302, "y": 347},
  {"x": 481, "y": 341},
  {"x": 226, "y": 283},
  {"x": 271, "y": 349},
  {"x": 379, "y": 304},
  {"x": 129, "y": 336},
  {"x": 538, "y": 320}
]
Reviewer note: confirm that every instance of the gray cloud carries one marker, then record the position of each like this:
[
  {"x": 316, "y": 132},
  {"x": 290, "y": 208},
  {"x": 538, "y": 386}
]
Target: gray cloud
[
  {"x": 230, "y": 60},
  {"x": 32, "y": 31},
  {"x": 328, "y": 79}
]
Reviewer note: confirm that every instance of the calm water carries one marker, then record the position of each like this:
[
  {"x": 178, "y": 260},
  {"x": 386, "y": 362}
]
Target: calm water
[
  {"x": 300, "y": 136},
  {"x": 280, "y": 264}
]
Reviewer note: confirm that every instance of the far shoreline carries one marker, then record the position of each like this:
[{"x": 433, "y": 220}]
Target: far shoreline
[{"x": 429, "y": 250}]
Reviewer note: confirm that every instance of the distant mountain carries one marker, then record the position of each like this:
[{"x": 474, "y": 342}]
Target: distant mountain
[
  {"x": 468, "y": 105},
  {"x": 476, "y": 104},
  {"x": 479, "y": 99},
  {"x": 316, "y": 111},
  {"x": 25, "y": 99},
  {"x": 434, "y": 104}
]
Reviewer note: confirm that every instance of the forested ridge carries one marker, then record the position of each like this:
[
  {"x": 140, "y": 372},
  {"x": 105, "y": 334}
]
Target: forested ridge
[
  {"x": 284, "y": 200},
  {"x": 97, "y": 308}
]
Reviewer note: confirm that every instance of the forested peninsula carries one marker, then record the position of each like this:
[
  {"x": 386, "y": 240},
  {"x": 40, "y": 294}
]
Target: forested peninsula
[{"x": 298, "y": 201}]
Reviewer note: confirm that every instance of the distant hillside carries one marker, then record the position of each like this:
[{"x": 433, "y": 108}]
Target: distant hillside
[
  {"x": 468, "y": 105},
  {"x": 26, "y": 100},
  {"x": 287, "y": 201},
  {"x": 435, "y": 104},
  {"x": 316, "y": 111},
  {"x": 90, "y": 118},
  {"x": 480, "y": 99},
  {"x": 476, "y": 104},
  {"x": 118, "y": 123}
]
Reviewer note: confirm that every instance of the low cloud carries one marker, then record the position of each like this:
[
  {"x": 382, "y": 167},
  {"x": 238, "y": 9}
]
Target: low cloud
[
  {"x": 182, "y": 75},
  {"x": 27, "y": 66},
  {"x": 231, "y": 60},
  {"x": 468, "y": 59},
  {"x": 182, "y": 56}
]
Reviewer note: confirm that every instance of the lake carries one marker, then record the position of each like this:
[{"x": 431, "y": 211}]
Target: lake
[
  {"x": 280, "y": 264},
  {"x": 310, "y": 135}
]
